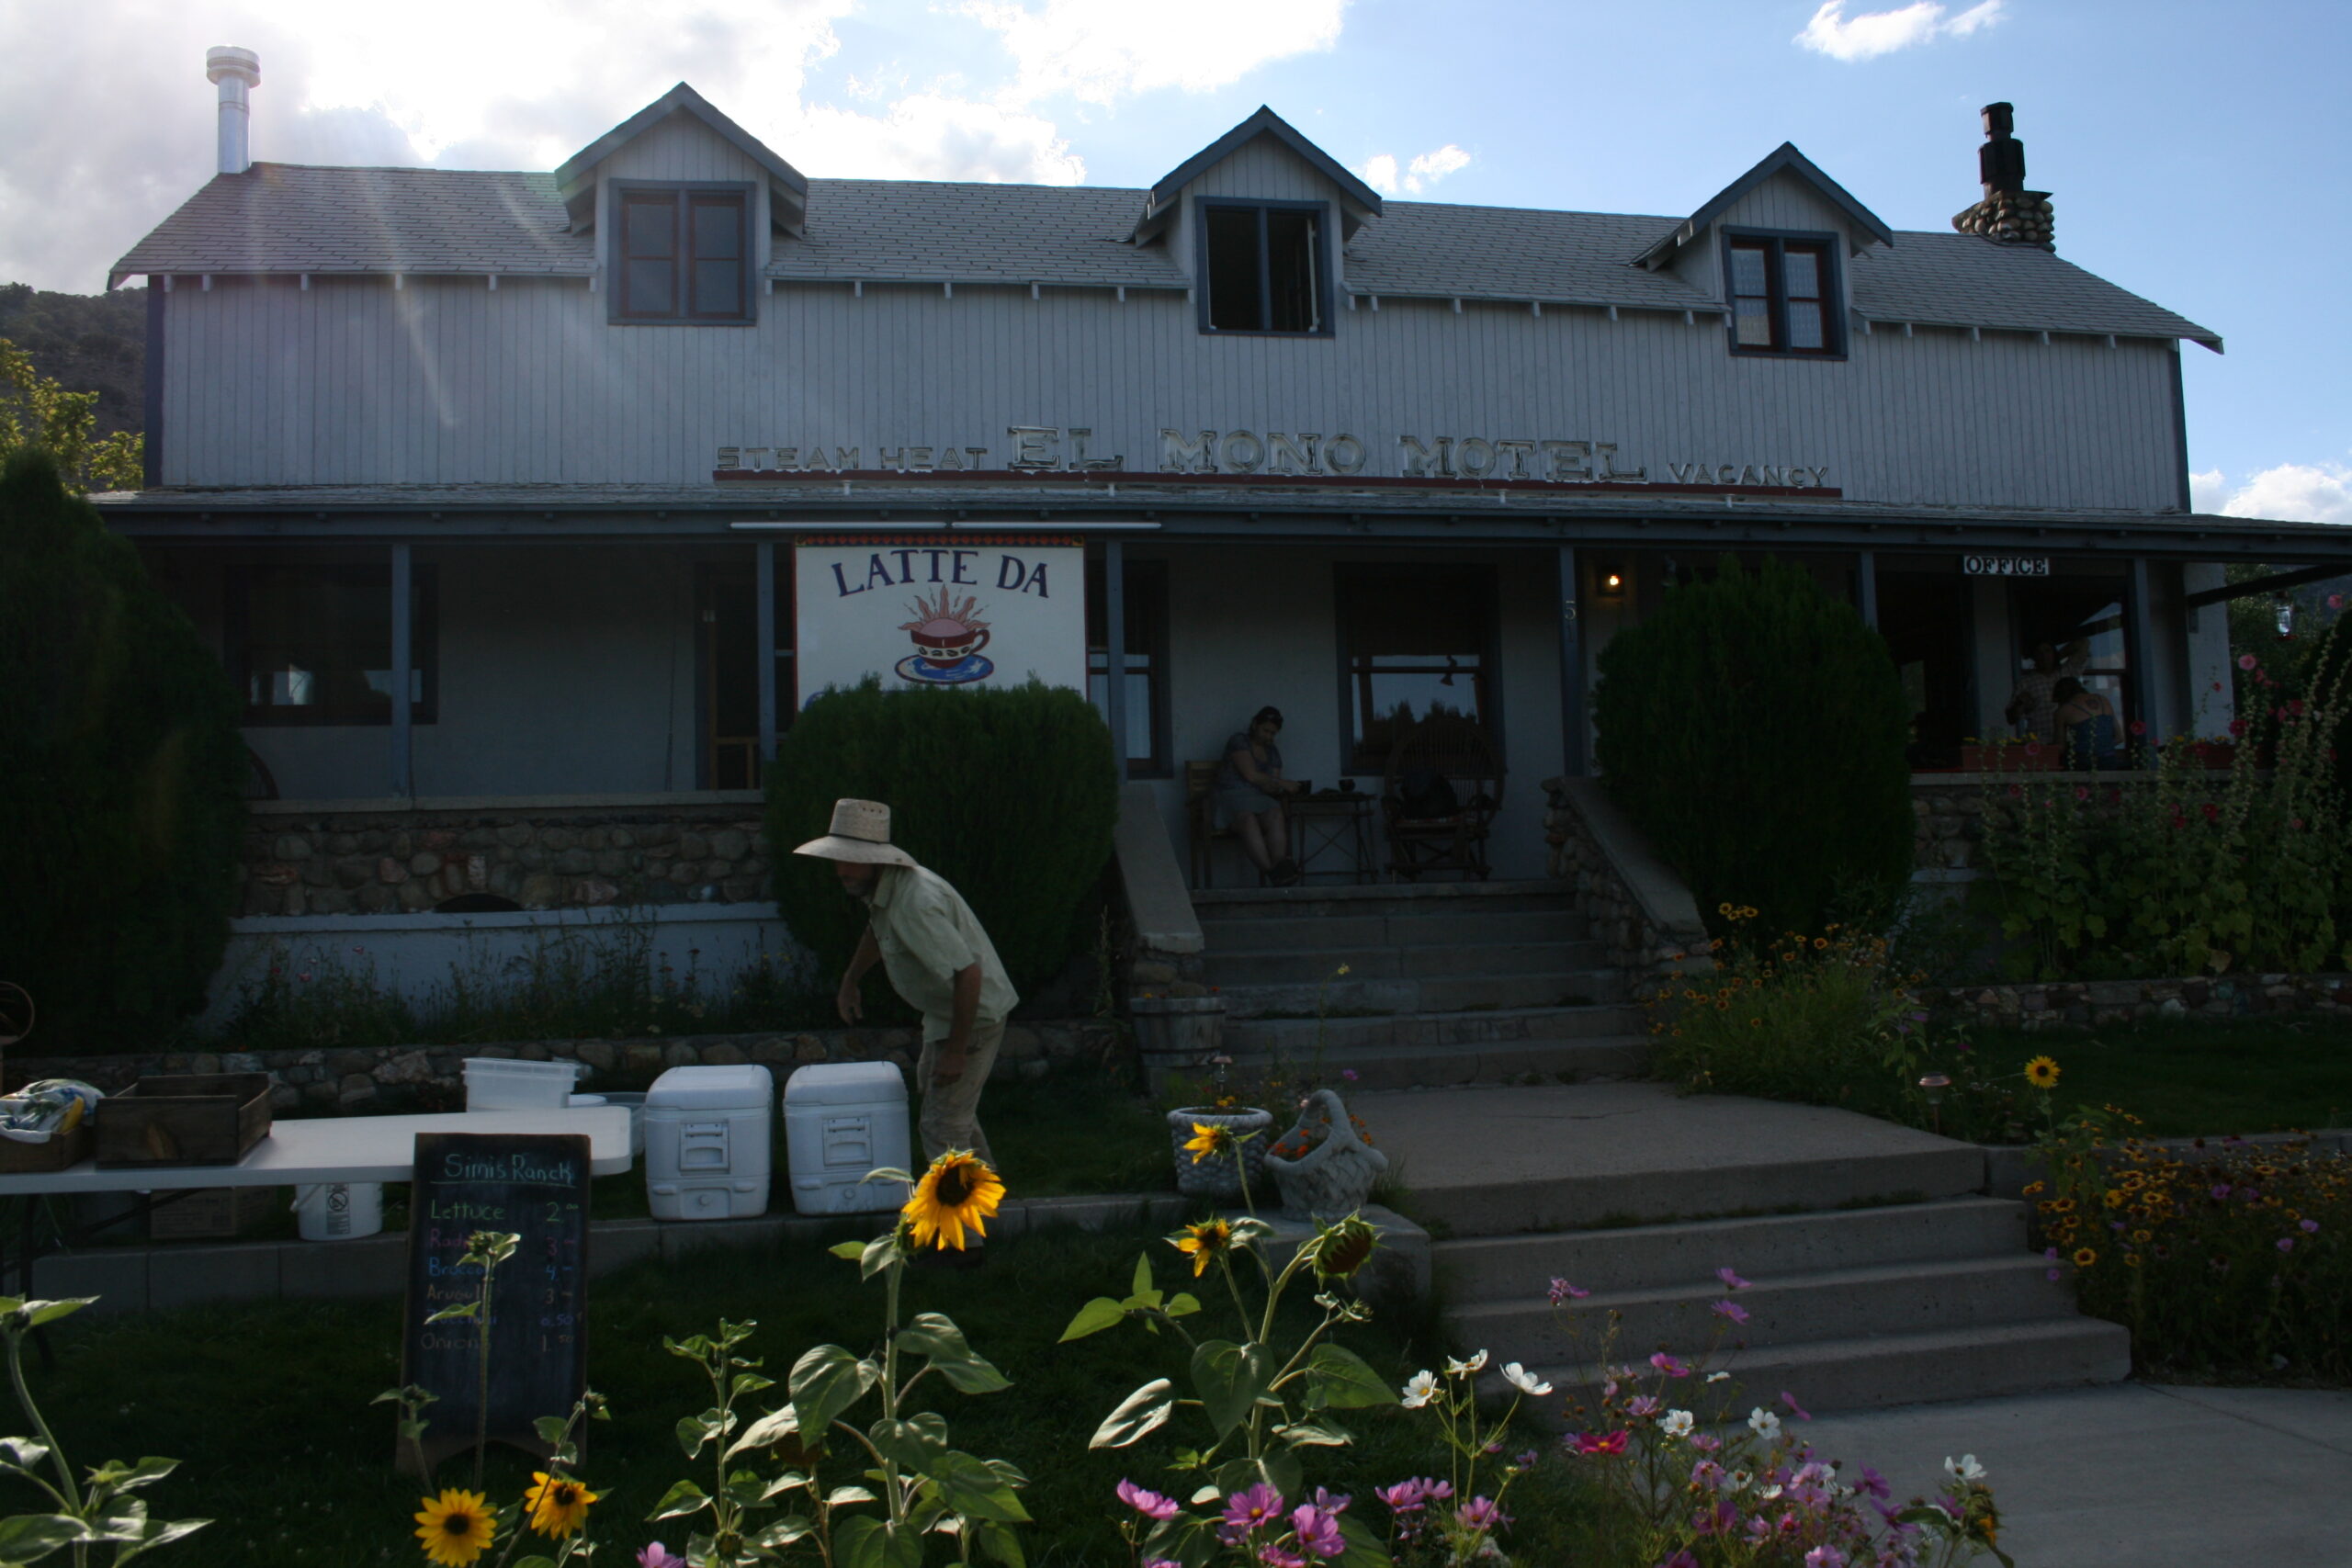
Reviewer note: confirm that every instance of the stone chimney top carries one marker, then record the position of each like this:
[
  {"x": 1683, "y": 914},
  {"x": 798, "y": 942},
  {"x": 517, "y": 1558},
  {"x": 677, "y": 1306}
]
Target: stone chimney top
[{"x": 2008, "y": 213}]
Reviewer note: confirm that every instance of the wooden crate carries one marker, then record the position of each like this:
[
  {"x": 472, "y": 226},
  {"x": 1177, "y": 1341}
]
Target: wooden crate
[
  {"x": 211, "y": 1213},
  {"x": 61, "y": 1150},
  {"x": 197, "y": 1119}
]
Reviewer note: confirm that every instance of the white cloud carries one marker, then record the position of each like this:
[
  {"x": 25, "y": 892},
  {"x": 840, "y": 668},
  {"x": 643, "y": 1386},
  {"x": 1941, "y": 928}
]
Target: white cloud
[
  {"x": 1099, "y": 52},
  {"x": 2291, "y": 493},
  {"x": 1874, "y": 33},
  {"x": 2208, "y": 491},
  {"x": 1382, "y": 174}
]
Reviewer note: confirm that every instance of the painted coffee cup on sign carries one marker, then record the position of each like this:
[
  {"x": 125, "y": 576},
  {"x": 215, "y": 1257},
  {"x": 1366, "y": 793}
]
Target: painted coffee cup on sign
[{"x": 943, "y": 640}]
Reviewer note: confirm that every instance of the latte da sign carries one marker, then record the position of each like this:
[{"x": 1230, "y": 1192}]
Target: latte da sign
[{"x": 961, "y": 613}]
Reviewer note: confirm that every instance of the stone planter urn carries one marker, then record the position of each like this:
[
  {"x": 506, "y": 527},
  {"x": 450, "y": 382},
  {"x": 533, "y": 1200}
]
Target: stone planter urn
[
  {"x": 1220, "y": 1179},
  {"x": 1324, "y": 1166},
  {"x": 1175, "y": 1035}
]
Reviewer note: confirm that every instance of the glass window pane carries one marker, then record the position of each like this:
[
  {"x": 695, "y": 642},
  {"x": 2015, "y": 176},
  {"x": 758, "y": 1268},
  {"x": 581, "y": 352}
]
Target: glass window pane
[
  {"x": 650, "y": 225},
  {"x": 1801, "y": 271},
  {"x": 718, "y": 288},
  {"x": 651, "y": 289},
  {"x": 1804, "y": 324},
  {"x": 1747, "y": 270},
  {"x": 1236, "y": 303},
  {"x": 1754, "y": 323},
  {"x": 719, "y": 227}
]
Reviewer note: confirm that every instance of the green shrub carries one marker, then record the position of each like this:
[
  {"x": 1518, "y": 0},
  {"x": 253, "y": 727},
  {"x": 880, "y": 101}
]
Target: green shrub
[
  {"x": 1754, "y": 727},
  {"x": 1008, "y": 795},
  {"x": 123, "y": 794}
]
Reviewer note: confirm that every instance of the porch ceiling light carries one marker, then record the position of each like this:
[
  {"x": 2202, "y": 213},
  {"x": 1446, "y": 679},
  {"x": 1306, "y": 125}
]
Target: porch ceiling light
[{"x": 1612, "y": 583}]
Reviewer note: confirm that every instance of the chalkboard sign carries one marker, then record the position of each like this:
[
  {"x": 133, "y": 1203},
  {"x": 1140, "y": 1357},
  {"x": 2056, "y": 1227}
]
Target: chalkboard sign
[{"x": 537, "y": 1187}]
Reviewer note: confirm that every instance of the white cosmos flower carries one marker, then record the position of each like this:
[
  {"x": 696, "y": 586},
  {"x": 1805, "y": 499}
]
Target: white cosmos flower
[
  {"x": 1717, "y": 1377},
  {"x": 1477, "y": 1363},
  {"x": 1764, "y": 1424},
  {"x": 1527, "y": 1383},
  {"x": 1419, "y": 1388},
  {"x": 1965, "y": 1468},
  {"x": 1676, "y": 1424},
  {"x": 1738, "y": 1480}
]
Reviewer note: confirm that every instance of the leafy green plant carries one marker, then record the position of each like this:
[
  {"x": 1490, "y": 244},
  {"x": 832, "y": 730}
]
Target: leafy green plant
[
  {"x": 37, "y": 413},
  {"x": 1754, "y": 728},
  {"x": 101, "y": 1508},
  {"x": 123, "y": 792},
  {"x": 1010, "y": 794}
]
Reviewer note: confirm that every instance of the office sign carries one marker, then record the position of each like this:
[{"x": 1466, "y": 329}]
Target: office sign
[
  {"x": 953, "y": 612},
  {"x": 2005, "y": 566}
]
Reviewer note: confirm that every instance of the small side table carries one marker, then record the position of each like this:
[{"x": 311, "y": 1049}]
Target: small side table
[{"x": 1332, "y": 827}]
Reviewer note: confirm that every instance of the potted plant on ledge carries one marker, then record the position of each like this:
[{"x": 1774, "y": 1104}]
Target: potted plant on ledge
[{"x": 1325, "y": 1166}]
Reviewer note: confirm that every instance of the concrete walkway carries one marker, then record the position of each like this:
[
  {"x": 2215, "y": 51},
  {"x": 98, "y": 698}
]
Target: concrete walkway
[{"x": 2147, "y": 1475}]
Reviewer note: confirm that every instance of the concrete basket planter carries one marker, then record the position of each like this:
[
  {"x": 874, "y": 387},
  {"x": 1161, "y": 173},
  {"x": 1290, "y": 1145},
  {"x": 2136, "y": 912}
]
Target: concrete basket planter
[
  {"x": 1333, "y": 1177},
  {"x": 1220, "y": 1179}
]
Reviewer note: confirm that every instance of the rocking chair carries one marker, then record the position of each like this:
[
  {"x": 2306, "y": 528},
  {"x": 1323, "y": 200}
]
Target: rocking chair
[{"x": 1443, "y": 785}]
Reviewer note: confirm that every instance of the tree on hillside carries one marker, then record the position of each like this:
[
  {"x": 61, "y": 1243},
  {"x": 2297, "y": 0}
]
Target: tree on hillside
[
  {"x": 37, "y": 413},
  {"x": 123, "y": 791},
  {"x": 92, "y": 343}
]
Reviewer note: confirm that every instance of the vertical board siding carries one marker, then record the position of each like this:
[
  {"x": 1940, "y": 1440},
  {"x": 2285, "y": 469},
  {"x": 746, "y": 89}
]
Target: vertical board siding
[{"x": 445, "y": 382}]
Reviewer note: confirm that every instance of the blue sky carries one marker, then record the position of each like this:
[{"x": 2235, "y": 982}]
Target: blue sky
[{"x": 2197, "y": 152}]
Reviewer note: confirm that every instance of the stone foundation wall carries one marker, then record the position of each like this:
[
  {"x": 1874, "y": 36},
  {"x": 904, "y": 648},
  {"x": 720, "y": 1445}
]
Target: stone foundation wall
[
  {"x": 1950, "y": 810},
  {"x": 2088, "y": 1004},
  {"x": 1644, "y": 919},
  {"x": 324, "y": 861},
  {"x": 432, "y": 1077}
]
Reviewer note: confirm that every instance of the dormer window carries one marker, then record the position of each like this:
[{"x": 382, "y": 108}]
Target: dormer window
[
  {"x": 1265, "y": 265},
  {"x": 682, "y": 254},
  {"x": 1783, "y": 291}
]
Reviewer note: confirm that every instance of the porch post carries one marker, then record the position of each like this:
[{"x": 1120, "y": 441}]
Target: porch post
[
  {"x": 1572, "y": 719},
  {"x": 1114, "y": 652},
  {"x": 1866, "y": 579},
  {"x": 2142, "y": 650},
  {"x": 764, "y": 570},
  {"x": 403, "y": 655}
]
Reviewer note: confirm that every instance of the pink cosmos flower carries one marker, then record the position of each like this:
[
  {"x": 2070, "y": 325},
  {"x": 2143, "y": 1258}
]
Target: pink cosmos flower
[
  {"x": 1485, "y": 1514},
  {"x": 2309, "y": 1227},
  {"x": 1731, "y": 1310},
  {"x": 1348, "y": 1074},
  {"x": 2285, "y": 1244},
  {"x": 1317, "y": 1531},
  {"x": 1670, "y": 1366},
  {"x": 1249, "y": 1511},
  {"x": 1588, "y": 1444},
  {"x": 660, "y": 1556},
  {"x": 1150, "y": 1504},
  {"x": 1274, "y": 1556},
  {"x": 1642, "y": 1405},
  {"x": 1797, "y": 1410},
  {"x": 1732, "y": 1281},
  {"x": 1564, "y": 1292},
  {"x": 2248, "y": 661},
  {"x": 1874, "y": 1485}
]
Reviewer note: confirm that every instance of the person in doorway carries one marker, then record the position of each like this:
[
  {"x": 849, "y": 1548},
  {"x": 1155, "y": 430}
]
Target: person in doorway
[
  {"x": 939, "y": 960},
  {"x": 1249, "y": 791},
  {"x": 2088, "y": 735},
  {"x": 2034, "y": 704}
]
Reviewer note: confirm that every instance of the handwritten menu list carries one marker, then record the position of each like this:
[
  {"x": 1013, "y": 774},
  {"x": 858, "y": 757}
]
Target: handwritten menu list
[{"x": 535, "y": 1185}]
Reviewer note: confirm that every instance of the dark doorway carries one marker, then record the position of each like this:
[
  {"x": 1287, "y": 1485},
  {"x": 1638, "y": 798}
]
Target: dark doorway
[
  {"x": 727, "y": 654},
  {"x": 1928, "y": 623}
]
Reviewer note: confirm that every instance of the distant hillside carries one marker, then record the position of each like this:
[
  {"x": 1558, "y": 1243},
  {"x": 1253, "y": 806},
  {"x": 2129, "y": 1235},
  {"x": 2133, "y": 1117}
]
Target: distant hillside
[{"x": 85, "y": 342}]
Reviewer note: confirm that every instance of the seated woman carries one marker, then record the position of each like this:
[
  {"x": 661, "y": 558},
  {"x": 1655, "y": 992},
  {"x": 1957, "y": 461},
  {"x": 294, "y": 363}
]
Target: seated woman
[
  {"x": 1249, "y": 795},
  {"x": 2088, "y": 736}
]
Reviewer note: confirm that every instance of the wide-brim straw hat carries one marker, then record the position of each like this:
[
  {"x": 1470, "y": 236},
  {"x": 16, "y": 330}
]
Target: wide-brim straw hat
[{"x": 861, "y": 832}]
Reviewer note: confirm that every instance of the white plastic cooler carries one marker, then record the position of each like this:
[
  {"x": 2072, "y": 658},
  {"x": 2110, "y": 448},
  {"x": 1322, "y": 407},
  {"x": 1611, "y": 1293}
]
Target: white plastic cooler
[
  {"x": 707, "y": 1133},
  {"x": 842, "y": 1120}
]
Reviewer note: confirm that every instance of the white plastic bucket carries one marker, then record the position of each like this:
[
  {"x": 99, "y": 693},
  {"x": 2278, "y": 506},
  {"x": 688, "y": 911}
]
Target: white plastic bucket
[
  {"x": 339, "y": 1211},
  {"x": 498, "y": 1083}
]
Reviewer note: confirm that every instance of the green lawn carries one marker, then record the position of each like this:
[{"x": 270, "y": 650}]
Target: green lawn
[
  {"x": 267, "y": 1403},
  {"x": 2191, "y": 1077}
]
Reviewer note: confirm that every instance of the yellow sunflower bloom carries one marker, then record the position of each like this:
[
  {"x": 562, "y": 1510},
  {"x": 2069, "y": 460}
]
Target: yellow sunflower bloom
[
  {"x": 455, "y": 1526},
  {"x": 1209, "y": 1239},
  {"x": 558, "y": 1503},
  {"x": 1209, "y": 1139},
  {"x": 2042, "y": 1073},
  {"x": 959, "y": 1191},
  {"x": 2085, "y": 1257}
]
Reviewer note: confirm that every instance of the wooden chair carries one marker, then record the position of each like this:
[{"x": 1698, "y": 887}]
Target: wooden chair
[
  {"x": 1199, "y": 779},
  {"x": 1452, "y": 748}
]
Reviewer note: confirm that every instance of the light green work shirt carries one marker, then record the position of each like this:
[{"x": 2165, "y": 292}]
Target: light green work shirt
[{"x": 928, "y": 935}]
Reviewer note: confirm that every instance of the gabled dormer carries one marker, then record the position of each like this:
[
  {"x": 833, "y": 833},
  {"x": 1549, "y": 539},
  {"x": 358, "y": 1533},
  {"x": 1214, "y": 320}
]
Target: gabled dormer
[
  {"x": 1772, "y": 247},
  {"x": 1258, "y": 219},
  {"x": 684, "y": 203}
]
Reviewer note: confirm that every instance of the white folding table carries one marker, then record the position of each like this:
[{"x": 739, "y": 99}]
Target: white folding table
[{"x": 315, "y": 1151}]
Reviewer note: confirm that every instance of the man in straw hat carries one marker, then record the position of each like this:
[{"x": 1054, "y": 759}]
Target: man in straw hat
[{"x": 925, "y": 937}]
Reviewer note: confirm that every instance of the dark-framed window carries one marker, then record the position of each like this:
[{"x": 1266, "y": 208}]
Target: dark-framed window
[
  {"x": 1783, "y": 294},
  {"x": 1149, "y": 755},
  {"x": 682, "y": 254},
  {"x": 1265, "y": 267},
  {"x": 1414, "y": 640},
  {"x": 312, "y": 644}
]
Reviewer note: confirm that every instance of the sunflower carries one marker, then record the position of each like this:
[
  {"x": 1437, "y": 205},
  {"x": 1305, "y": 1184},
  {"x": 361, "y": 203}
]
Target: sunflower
[
  {"x": 2085, "y": 1257},
  {"x": 1338, "y": 1250},
  {"x": 455, "y": 1526},
  {"x": 2042, "y": 1073},
  {"x": 960, "y": 1189},
  {"x": 1209, "y": 1139},
  {"x": 1210, "y": 1238},
  {"x": 558, "y": 1503}
]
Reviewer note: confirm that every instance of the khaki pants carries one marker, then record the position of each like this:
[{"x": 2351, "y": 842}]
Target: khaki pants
[{"x": 951, "y": 1112}]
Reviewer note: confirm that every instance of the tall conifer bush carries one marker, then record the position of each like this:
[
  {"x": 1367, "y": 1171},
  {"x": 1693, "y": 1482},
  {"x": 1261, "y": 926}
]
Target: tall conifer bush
[
  {"x": 1010, "y": 794},
  {"x": 1754, "y": 728},
  {"x": 122, "y": 797}
]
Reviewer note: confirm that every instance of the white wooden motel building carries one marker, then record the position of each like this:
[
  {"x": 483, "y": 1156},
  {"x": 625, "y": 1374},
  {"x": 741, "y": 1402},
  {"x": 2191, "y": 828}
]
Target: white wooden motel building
[{"x": 541, "y": 449}]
